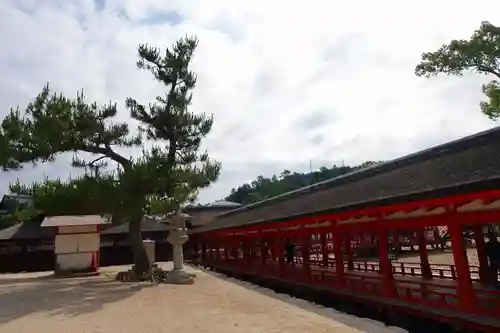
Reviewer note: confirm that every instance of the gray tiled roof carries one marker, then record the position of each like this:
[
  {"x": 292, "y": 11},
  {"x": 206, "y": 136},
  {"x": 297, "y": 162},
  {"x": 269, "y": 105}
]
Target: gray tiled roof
[
  {"x": 26, "y": 230},
  {"x": 224, "y": 204},
  {"x": 33, "y": 229},
  {"x": 10, "y": 202},
  {"x": 148, "y": 225},
  {"x": 218, "y": 205},
  {"x": 463, "y": 165}
]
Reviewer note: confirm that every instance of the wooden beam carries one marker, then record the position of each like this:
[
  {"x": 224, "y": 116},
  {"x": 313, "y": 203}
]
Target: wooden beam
[{"x": 490, "y": 195}]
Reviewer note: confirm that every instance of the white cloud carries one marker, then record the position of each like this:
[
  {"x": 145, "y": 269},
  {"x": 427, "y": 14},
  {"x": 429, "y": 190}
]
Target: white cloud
[{"x": 288, "y": 82}]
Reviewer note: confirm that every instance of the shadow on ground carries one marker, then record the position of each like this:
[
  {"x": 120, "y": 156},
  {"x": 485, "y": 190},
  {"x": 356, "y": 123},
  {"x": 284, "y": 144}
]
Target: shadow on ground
[
  {"x": 22, "y": 296},
  {"x": 361, "y": 324}
]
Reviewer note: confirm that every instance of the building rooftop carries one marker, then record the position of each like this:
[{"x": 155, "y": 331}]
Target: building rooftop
[
  {"x": 217, "y": 205},
  {"x": 10, "y": 202},
  {"x": 149, "y": 224},
  {"x": 468, "y": 164},
  {"x": 74, "y": 220},
  {"x": 28, "y": 230}
]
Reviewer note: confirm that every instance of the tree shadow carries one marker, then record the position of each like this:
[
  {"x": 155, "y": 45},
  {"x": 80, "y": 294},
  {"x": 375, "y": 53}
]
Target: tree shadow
[
  {"x": 56, "y": 296},
  {"x": 361, "y": 324},
  {"x": 10, "y": 279}
]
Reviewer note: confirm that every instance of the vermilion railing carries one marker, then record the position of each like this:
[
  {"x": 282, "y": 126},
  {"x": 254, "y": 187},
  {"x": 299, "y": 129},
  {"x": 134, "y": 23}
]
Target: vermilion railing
[
  {"x": 443, "y": 271},
  {"x": 365, "y": 279}
]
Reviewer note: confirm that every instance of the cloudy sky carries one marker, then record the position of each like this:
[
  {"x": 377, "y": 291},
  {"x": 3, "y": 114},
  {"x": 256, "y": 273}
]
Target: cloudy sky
[{"x": 288, "y": 81}]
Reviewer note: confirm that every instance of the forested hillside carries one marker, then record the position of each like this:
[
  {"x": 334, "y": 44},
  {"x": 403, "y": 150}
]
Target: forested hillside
[{"x": 263, "y": 187}]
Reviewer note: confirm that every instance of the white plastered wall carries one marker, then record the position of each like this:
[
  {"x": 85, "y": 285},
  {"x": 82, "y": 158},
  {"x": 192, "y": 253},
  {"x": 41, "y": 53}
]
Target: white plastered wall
[{"x": 74, "y": 251}]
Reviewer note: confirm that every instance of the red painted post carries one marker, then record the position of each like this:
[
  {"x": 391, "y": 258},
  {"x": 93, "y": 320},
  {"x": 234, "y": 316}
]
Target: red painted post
[
  {"x": 424, "y": 258},
  {"x": 238, "y": 251},
  {"x": 324, "y": 249},
  {"x": 245, "y": 255},
  {"x": 203, "y": 251},
  {"x": 249, "y": 251},
  {"x": 226, "y": 253},
  {"x": 208, "y": 249},
  {"x": 212, "y": 251},
  {"x": 281, "y": 255},
  {"x": 274, "y": 255},
  {"x": 263, "y": 251},
  {"x": 348, "y": 252},
  {"x": 385, "y": 264},
  {"x": 339, "y": 257},
  {"x": 306, "y": 244},
  {"x": 484, "y": 276},
  {"x": 217, "y": 249},
  {"x": 466, "y": 296},
  {"x": 234, "y": 251}
]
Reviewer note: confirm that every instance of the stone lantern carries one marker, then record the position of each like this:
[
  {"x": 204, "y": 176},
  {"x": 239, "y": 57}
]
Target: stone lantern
[{"x": 177, "y": 237}]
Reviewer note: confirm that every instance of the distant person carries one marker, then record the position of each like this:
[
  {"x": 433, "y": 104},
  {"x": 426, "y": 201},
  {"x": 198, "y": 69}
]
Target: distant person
[
  {"x": 493, "y": 254},
  {"x": 196, "y": 252},
  {"x": 289, "y": 251},
  {"x": 234, "y": 253},
  {"x": 266, "y": 253}
]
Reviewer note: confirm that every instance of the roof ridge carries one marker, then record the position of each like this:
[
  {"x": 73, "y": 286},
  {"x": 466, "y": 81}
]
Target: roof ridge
[{"x": 453, "y": 146}]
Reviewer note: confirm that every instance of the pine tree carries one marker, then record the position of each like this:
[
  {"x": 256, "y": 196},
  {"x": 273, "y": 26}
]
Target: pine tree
[
  {"x": 171, "y": 171},
  {"x": 480, "y": 54}
]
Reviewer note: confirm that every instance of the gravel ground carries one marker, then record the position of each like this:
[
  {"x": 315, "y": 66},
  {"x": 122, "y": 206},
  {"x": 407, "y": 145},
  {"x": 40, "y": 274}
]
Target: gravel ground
[
  {"x": 35, "y": 302},
  {"x": 442, "y": 258}
]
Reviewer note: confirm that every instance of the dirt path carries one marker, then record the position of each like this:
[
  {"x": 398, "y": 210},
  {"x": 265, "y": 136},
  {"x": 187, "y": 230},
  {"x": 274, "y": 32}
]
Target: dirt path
[{"x": 37, "y": 303}]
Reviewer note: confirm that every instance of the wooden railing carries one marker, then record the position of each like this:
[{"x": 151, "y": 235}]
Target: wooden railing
[
  {"x": 434, "y": 292},
  {"x": 443, "y": 271}
]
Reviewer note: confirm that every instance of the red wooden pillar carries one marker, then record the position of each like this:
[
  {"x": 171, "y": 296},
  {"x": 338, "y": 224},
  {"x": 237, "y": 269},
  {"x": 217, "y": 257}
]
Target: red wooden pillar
[
  {"x": 249, "y": 262},
  {"x": 424, "y": 258},
  {"x": 237, "y": 251},
  {"x": 203, "y": 251},
  {"x": 251, "y": 250},
  {"x": 228, "y": 248},
  {"x": 306, "y": 248},
  {"x": 274, "y": 255},
  {"x": 339, "y": 257},
  {"x": 348, "y": 252},
  {"x": 209, "y": 251},
  {"x": 255, "y": 246},
  {"x": 281, "y": 255},
  {"x": 248, "y": 250},
  {"x": 212, "y": 250},
  {"x": 263, "y": 251},
  {"x": 272, "y": 249},
  {"x": 226, "y": 251},
  {"x": 466, "y": 295},
  {"x": 217, "y": 245},
  {"x": 385, "y": 263},
  {"x": 324, "y": 249},
  {"x": 484, "y": 276}
]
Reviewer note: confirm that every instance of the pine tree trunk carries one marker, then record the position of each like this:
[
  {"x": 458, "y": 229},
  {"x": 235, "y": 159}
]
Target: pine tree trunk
[{"x": 141, "y": 261}]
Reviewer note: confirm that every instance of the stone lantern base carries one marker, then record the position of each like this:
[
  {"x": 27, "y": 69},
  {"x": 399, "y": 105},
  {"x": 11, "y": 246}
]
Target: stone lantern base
[{"x": 178, "y": 237}]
